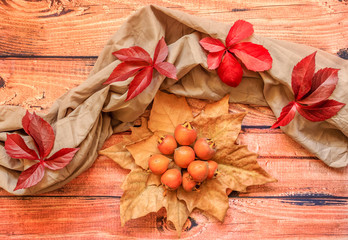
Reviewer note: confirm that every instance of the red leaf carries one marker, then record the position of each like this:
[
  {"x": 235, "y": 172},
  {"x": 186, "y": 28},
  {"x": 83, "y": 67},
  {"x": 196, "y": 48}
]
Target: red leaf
[
  {"x": 133, "y": 54},
  {"x": 161, "y": 51},
  {"x": 26, "y": 121},
  {"x": 230, "y": 71},
  {"x": 43, "y": 135},
  {"x": 255, "y": 57},
  {"x": 212, "y": 44},
  {"x": 125, "y": 70},
  {"x": 323, "y": 84},
  {"x": 17, "y": 148},
  {"x": 214, "y": 59},
  {"x": 302, "y": 74},
  {"x": 61, "y": 158},
  {"x": 31, "y": 176},
  {"x": 287, "y": 114},
  {"x": 320, "y": 111},
  {"x": 167, "y": 69},
  {"x": 140, "y": 82},
  {"x": 239, "y": 31}
]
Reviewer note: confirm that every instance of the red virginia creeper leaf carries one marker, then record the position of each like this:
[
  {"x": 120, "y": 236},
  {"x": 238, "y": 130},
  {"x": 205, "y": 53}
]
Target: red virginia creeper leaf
[
  {"x": 161, "y": 51},
  {"x": 323, "y": 84},
  {"x": 302, "y": 74},
  {"x": 320, "y": 111},
  {"x": 133, "y": 54},
  {"x": 230, "y": 71},
  {"x": 26, "y": 121},
  {"x": 214, "y": 59},
  {"x": 125, "y": 70},
  {"x": 16, "y": 148},
  {"x": 212, "y": 44},
  {"x": 287, "y": 114},
  {"x": 43, "y": 135},
  {"x": 140, "y": 82},
  {"x": 31, "y": 176},
  {"x": 255, "y": 57},
  {"x": 167, "y": 69},
  {"x": 239, "y": 31},
  {"x": 60, "y": 159}
]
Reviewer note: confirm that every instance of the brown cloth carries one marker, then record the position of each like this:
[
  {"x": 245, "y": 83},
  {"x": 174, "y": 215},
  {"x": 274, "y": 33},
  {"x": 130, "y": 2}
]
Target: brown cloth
[{"x": 87, "y": 115}]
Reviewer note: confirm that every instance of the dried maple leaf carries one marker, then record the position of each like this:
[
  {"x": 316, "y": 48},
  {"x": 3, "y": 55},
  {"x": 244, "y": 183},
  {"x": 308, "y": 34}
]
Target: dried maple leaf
[
  {"x": 311, "y": 92},
  {"x": 42, "y": 134},
  {"x": 119, "y": 152},
  {"x": 222, "y": 57},
  {"x": 167, "y": 112},
  {"x": 238, "y": 167},
  {"x": 138, "y": 62}
]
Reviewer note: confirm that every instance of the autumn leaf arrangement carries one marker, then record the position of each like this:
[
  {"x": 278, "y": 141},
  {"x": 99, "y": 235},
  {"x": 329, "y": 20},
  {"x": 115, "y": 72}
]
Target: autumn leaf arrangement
[{"x": 147, "y": 190}]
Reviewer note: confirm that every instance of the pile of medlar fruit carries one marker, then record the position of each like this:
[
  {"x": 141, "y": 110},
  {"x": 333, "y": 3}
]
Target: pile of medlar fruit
[{"x": 194, "y": 162}]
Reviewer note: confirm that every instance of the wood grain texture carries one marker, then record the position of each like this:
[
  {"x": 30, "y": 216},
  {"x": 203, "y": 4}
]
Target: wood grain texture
[
  {"x": 246, "y": 219},
  {"x": 47, "y": 50},
  {"x": 81, "y": 28}
]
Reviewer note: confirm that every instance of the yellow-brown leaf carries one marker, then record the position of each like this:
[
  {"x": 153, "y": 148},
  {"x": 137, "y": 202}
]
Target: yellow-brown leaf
[
  {"x": 167, "y": 112},
  {"x": 222, "y": 129},
  {"x": 177, "y": 211},
  {"x": 138, "y": 199},
  {"x": 211, "y": 198},
  {"x": 239, "y": 169},
  {"x": 154, "y": 179},
  {"x": 120, "y": 155},
  {"x": 138, "y": 133},
  {"x": 217, "y": 108},
  {"x": 143, "y": 150}
]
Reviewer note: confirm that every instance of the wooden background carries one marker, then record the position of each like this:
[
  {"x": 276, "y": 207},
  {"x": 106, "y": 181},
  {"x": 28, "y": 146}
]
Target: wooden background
[{"x": 49, "y": 47}]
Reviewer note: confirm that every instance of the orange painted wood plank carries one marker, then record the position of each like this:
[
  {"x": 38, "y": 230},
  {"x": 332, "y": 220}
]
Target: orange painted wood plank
[
  {"x": 295, "y": 176},
  {"x": 99, "y": 218},
  {"x": 81, "y": 28}
]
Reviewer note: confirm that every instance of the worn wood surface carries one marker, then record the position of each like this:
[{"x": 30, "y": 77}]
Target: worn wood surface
[{"x": 47, "y": 48}]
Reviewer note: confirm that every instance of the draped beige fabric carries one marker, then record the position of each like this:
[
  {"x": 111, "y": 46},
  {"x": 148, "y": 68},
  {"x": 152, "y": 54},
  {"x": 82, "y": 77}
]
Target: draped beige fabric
[{"x": 87, "y": 115}]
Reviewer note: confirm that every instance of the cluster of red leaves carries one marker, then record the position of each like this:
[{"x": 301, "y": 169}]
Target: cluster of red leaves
[
  {"x": 43, "y": 136},
  {"x": 311, "y": 93},
  {"x": 222, "y": 57},
  {"x": 138, "y": 62}
]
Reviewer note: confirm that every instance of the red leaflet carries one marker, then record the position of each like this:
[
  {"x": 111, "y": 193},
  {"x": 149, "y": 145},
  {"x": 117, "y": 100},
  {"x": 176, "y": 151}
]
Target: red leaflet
[
  {"x": 31, "y": 176},
  {"x": 136, "y": 54},
  {"x": 43, "y": 136},
  {"x": 230, "y": 71},
  {"x": 60, "y": 159},
  {"x": 287, "y": 114},
  {"x": 255, "y": 57},
  {"x": 139, "y": 63},
  {"x": 311, "y": 92},
  {"x": 18, "y": 148}
]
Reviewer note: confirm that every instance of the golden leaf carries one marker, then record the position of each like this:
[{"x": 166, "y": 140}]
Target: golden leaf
[
  {"x": 217, "y": 108},
  {"x": 239, "y": 169},
  {"x": 222, "y": 129},
  {"x": 211, "y": 198},
  {"x": 154, "y": 179},
  {"x": 138, "y": 199},
  {"x": 143, "y": 150},
  {"x": 167, "y": 112},
  {"x": 177, "y": 211},
  {"x": 138, "y": 133},
  {"x": 120, "y": 155}
]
